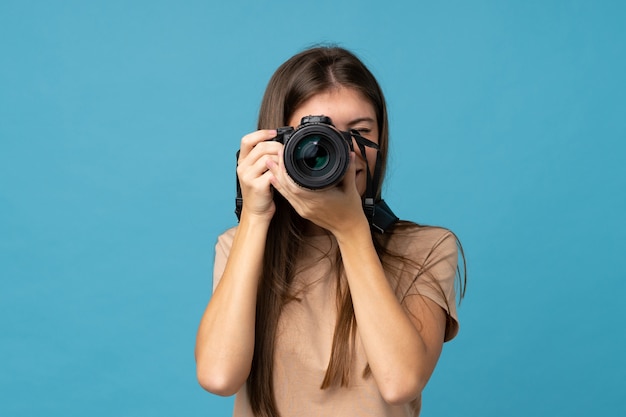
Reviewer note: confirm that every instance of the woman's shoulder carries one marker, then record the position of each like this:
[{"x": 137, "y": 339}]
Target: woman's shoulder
[
  {"x": 408, "y": 228},
  {"x": 225, "y": 240},
  {"x": 416, "y": 237}
]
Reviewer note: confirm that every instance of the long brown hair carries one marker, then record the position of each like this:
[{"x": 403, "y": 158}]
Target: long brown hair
[{"x": 306, "y": 74}]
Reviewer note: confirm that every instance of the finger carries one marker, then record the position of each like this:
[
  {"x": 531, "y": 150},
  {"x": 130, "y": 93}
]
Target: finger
[
  {"x": 275, "y": 167},
  {"x": 258, "y": 186},
  {"x": 248, "y": 172},
  {"x": 249, "y": 141},
  {"x": 254, "y": 168},
  {"x": 254, "y": 161},
  {"x": 281, "y": 181},
  {"x": 280, "y": 172},
  {"x": 352, "y": 166},
  {"x": 262, "y": 149},
  {"x": 349, "y": 179}
]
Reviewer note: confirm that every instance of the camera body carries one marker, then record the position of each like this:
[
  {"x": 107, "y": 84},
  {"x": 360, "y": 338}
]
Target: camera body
[{"x": 316, "y": 153}]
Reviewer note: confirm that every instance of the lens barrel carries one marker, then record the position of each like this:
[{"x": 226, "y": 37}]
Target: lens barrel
[{"x": 316, "y": 154}]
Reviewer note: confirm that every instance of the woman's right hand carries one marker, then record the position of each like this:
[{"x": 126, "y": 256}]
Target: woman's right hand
[{"x": 254, "y": 177}]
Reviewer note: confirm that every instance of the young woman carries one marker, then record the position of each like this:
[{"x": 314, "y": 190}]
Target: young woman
[{"x": 317, "y": 309}]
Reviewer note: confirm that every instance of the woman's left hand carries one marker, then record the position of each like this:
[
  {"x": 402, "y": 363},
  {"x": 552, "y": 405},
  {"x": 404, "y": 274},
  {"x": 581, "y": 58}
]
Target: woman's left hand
[{"x": 335, "y": 209}]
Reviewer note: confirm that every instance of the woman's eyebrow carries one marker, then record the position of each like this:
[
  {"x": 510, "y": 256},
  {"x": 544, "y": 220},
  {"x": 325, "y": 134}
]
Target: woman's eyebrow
[{"x": 361, "y": 119}]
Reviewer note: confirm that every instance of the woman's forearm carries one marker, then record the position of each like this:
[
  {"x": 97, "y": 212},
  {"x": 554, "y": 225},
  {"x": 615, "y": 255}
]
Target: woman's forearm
[
  {"x": 225, "y": 339},
  {"x": 401, "y": 356}
]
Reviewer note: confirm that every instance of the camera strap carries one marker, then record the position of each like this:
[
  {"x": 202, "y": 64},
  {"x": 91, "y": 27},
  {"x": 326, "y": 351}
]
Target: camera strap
[
  {"x": 239, "y": 198},
  {"x": 378, "y": 213}
]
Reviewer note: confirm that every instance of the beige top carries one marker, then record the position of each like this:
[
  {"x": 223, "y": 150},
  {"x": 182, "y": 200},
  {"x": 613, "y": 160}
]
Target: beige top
[{"x": 306, "y": 328}]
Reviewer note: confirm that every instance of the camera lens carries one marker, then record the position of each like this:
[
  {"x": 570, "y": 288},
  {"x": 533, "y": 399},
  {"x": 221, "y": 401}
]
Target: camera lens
[
  {"x": 311, "y": 153},
  {"x": 316, "y": 155}
]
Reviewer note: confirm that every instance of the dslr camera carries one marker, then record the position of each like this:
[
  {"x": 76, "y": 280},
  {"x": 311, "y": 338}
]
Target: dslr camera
[
  {"x": 317, "y": 156},
  {"x": 316, "y": 153}
]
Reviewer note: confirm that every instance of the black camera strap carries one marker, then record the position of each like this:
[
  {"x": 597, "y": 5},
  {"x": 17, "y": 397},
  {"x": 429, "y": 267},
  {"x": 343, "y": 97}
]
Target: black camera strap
[
  {"x": 378, "y": 213},
  {"x": 239, "y": 198}
]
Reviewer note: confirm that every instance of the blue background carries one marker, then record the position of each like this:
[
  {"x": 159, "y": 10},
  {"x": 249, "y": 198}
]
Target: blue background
[{"x": 118, "y": 126}]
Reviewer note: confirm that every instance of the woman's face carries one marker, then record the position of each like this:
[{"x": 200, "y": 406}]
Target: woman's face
[{"x": 348, "y": 110}]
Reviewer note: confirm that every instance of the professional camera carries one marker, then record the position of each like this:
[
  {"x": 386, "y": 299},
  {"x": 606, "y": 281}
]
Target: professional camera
[
  {"x": 316, "y": 153},
  {"x": 317, "y": 156}
]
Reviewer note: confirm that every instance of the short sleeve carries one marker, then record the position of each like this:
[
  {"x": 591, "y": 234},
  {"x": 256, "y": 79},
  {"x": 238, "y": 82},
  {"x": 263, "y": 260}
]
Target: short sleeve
[
  {"x": 222, "y": 250},
  {"x": 432, "y": 270},
  {"x": 437, "y": 281}
]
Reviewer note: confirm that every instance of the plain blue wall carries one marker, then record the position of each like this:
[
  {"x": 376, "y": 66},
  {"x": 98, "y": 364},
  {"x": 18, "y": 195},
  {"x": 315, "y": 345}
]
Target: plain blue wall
[{"x": 118, "y": 126}]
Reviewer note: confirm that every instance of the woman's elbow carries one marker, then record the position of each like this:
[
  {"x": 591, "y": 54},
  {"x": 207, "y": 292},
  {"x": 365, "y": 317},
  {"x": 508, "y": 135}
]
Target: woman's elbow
[
  {"x": 219, "y": 383},
  {"x": 401, "y": 392}
]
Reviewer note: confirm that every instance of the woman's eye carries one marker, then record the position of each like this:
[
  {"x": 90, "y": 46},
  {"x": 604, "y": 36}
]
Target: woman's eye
[{"x": 363, "y": 130}]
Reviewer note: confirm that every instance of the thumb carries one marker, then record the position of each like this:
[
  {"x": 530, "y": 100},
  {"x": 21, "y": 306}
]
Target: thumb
[{"x": 349, "y": 179}]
